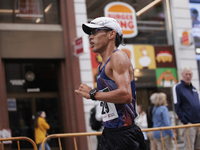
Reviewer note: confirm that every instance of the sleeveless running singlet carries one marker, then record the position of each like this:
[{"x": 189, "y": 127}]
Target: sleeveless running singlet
[{"x": 115, "y": 115}]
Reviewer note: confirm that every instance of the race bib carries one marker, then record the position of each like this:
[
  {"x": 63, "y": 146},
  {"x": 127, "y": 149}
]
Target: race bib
[{"x": 109, "y": 111}]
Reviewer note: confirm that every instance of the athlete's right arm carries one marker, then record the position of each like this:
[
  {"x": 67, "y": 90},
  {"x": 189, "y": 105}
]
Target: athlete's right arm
[
  {"x": 120, "y": 65},
  {"x": 118, "y": 69},
  {"x": 84, "y": 90}
]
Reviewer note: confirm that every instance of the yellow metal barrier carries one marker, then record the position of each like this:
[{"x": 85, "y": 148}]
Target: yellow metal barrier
[
  {"x": 89, "y": 134},
  {"x": 74, "y": 135},
  {"x": 173, "y": 127},
  {"x": 18, "y": 143}
]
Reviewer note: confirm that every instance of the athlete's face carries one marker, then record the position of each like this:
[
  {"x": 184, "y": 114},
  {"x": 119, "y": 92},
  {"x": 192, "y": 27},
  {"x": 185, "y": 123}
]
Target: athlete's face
[
  {"x": 99, "y": 39},
  {"x": 187, "y": 76}
]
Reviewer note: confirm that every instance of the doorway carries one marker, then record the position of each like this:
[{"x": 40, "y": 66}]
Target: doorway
[
  {"x": 32, "y": 86},
  {"x": 22, "y": 115}
]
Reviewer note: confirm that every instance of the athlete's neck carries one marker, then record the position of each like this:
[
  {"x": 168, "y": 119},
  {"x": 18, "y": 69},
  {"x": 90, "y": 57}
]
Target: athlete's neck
[{"x": 107, "y": 54}]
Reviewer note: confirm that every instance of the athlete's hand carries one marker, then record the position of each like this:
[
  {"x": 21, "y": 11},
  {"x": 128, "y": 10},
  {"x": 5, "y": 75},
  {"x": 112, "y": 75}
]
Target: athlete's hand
[{"x": 84, "y": 90}]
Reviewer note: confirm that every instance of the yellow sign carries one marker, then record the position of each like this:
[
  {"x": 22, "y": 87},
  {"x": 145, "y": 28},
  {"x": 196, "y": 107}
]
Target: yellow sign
[
  {"x": 125, "y": 15},
  {"x": 144, "y": 57}
]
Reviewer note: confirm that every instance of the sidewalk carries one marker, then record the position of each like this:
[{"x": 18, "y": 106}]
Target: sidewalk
[{"x": 180, "y": 145}]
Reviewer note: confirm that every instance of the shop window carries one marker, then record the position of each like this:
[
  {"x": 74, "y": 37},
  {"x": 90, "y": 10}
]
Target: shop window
[
  {"x": 6, "y": 11},
  {"x": 151, "y": 27},
  {"x": 195, "y": 21},
  {"x": 151, "y": 24},
  {"x": 35, "y": 76},
  {"x": 30, "y": 11},
  {"x": 22, "y": 118},
  {"x": 150, "y": 52}
]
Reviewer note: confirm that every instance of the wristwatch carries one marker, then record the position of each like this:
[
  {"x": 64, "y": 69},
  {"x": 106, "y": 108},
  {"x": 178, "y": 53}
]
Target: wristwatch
[{"x": 92, "y": 94}]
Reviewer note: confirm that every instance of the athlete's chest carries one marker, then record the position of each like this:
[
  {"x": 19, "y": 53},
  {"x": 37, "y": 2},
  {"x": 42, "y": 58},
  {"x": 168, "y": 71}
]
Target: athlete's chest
[{"x": 106, "y": 70}]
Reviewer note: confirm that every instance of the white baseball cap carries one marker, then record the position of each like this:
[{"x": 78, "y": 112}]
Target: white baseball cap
[{"x": 102, "y": 22}]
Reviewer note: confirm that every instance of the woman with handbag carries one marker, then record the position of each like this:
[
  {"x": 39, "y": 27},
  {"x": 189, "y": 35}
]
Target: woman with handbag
[{"x": 41, "y": 127}]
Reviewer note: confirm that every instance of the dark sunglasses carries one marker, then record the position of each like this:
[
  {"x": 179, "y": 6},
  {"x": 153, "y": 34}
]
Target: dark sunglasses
[{"x": 95, "y": 31}]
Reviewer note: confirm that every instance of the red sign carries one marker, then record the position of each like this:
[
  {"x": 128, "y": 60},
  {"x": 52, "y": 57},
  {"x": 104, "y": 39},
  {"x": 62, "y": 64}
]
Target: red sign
[{"x": 78, "y": 46}]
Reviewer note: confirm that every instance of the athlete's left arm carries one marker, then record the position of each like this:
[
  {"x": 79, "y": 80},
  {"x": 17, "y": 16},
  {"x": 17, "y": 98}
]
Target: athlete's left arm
[
  {"x": 122, "y": 73},
  {"x": 120, "y": 70}
]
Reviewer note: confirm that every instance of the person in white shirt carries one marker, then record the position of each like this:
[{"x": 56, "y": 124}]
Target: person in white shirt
[
  {"x": 142, "y": 123},
  {"x": 98, "y": 118}
]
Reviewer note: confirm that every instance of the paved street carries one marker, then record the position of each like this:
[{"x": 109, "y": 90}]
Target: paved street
[{"x": 180, "y": 145}]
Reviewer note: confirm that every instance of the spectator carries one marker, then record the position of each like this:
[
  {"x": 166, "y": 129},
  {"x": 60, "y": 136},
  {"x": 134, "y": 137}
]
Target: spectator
[
  {"x": 98, "y": 118},
  {"x": 142, "y": 123},
  {"x": 187, "y": 107},
  {"x": 150, "y": 122},
  {"x": 162, "y": 118},
  {"x": 41, "y": 127}
]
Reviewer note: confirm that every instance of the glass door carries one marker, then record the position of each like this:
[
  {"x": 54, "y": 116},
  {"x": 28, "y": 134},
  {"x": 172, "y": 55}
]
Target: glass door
[
  {"x": 49, "y": 105},
  {"x": 21, "y": 123},
  {"x": 32, "y": 86},
  {"x": 23, "y": 113}
]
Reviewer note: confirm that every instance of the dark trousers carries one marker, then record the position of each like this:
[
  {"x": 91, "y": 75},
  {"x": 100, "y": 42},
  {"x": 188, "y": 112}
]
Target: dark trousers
[
  {"x": 98, "y": 141},
  {"x": 125, "y": 138}
]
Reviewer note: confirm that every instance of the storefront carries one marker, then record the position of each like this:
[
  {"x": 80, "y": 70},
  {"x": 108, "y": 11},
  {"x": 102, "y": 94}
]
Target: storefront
[
  {"x": 151, "y": 50},
  {"x": 161, "y": 40},
  {"x": 194, "y": 6},
  {"x": 161, "y": 48}
]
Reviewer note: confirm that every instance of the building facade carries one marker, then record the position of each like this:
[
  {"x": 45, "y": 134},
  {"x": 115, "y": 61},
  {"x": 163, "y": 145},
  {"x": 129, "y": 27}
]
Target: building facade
[{"x": 39, "y": 70}]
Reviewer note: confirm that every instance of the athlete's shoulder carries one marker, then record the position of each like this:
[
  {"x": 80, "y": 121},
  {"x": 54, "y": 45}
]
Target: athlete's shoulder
[
  {"x": 119, "y": 52},
  {"x": 119, "y": 56}
]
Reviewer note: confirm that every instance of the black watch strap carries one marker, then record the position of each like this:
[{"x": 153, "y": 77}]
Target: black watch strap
[{"x": 92, "y": 94}]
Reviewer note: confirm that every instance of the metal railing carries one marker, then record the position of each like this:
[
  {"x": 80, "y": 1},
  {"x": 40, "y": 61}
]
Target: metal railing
[
  {"x": 74, "y": 135},
  {"x": 18, "y": 143},
  {"x": 89, "y": 134},
  {"x": 173, "y": 128}
]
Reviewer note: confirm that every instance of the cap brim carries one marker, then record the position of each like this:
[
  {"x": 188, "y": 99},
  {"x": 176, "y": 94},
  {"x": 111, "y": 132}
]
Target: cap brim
[{"x": 88, "y": 26}]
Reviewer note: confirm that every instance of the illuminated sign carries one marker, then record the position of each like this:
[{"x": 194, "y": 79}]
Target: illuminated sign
[
  {"x": 125, "y": 15},
  {"x": 185, "y": 38}
]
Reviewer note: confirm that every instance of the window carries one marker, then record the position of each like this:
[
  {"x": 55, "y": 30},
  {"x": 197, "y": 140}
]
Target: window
[
  {"x": 31, "y": 76},
  {"x": 151, "y": 24},
  {"x": 30, "y": 11}
]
